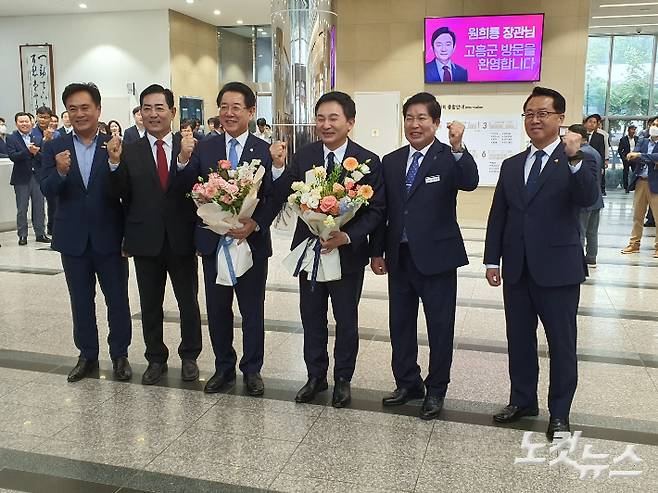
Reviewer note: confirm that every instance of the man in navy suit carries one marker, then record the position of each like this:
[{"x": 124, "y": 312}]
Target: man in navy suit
[
  {"x": 627, "y": 144},
  {"x": 237, "y": 105},
  {"x": 645, "y": 183},
  {"x": 88, "y": 232},
  {"x": 66, "y": 127},
  {"x": 23, "y": 149},
  {"x": 533, "y": 227},
  {"x": 335, "y": 113},
  {"x": 420, "y": 246},
  {"x": 442, "y": 69},
  {"x": 153, "y": 180},
  {"x": 137, "y": 131}
]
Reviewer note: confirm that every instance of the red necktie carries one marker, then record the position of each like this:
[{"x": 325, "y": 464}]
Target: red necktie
[
  {"x": 163, "y": 167},
  {"x": 446, "y": 74}
]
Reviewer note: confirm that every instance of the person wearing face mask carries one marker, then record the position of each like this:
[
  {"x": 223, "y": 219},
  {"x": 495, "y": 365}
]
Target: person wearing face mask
[
  {"x": 645, "y": 183},
  {"x": 3, "y": 134}
]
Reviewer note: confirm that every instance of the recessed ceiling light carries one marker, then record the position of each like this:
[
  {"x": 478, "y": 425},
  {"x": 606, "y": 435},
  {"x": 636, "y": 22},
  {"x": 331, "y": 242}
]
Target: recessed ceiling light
[
  {"x": 240, "y": 21},
  {"x": 82, "y": 5},
  {"x": 190, "y": 1},
  {"x": 630, "y": 26},
  {"x": 217, "y": 12},
  {"x": 622, "y": 16}
]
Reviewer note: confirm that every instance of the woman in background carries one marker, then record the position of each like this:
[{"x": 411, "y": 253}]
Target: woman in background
[{"x": 115, "y": 128}]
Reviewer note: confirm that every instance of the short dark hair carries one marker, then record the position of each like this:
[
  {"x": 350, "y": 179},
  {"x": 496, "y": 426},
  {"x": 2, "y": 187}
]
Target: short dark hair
[
  {"x": 559, "y": 103},
  {"x": 136, "y": 109},
  {"x": 343, "y": 99},
  {"x": 596, "y": 116},
  {"x": 631, "y": 126},
  {"x": 157, "y": 89},
  {"x": 430, "y": 102},
  {"x": 54, "y": 116},
  {"x": 244, "y": 89},
  {"x": 578, "y": 129},
  {"x": 261, "y": 121},
  {"x": 64, "y": 113},
  {"x": 443, "y": 30},
  {"x": 20, "y": 113},
  {"x": 2, "y": 119},
  {"x": 88, "y": 87},
  {"x": 118, "y": 124},
  {"x": 44, "y": 110},
  {"x": 30, "y": 115},
  {"x": 188, "y": 122},
  {"x": 215, "y": 122}
]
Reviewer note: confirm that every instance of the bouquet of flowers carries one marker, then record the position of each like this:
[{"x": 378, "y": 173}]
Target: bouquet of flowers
[
  {"x": 226, "y": 197},
  {"x": 325, "y": 203}
]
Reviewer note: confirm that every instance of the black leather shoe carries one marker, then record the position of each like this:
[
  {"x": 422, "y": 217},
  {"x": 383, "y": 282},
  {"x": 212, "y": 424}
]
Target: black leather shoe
[
  {"x": 402, "y": 396},
  {"x": 432, "y": 406},
  {"x": 511, "y": 413},
  {"x": 649, "y": 225},
  {"x": 342, "y": 394},
  {"x": 22, "y": 240},
  {"x": 313, "y": 386},
  {"x": 189, "y": 371},
  {"x": 218, "y": 382},
  {"x": 153, "y": 373},
  {"x": 253, "y": 384},
  {"x": 43, "y": 239},
  {"x": 82, "y": 369},
  {"x": 556, "y": 425},
  {"x": 122, "y": 369}
]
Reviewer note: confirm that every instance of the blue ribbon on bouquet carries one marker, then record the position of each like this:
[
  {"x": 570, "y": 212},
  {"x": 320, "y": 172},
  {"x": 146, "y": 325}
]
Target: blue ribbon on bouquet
[
  {"x": 225, "y": 242},
  {"x": 317, "y": 247}
]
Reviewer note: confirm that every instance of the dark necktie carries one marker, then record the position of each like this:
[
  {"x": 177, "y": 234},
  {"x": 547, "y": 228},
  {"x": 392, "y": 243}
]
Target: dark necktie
[
  {"x": 533, "y": 177},
  {"x": 330, "y": 163},
  {"x": 163, "y": 168},
  {"x": 413, "y": 170},
  {"x": 446, "y": 74}
]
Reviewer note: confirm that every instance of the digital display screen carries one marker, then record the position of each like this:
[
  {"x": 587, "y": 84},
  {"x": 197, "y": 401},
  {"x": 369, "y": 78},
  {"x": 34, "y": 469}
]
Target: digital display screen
[{"x": 501, "y": 48}]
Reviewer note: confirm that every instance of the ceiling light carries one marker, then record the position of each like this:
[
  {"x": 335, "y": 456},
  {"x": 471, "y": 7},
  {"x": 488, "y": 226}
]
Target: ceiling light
[
  {"x": 622, "y": 16},
  {"x": 82, "y": 5},
  {"x": 217, "y": 12},
  {"x": 240, "y": 21},
  {"x": 644, "y": 4},
  {"x": 190, "y": 1},
  {"x": 630, "y": 26}
]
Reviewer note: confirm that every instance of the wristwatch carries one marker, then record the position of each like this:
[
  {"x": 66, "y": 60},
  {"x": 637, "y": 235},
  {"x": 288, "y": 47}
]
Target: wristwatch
[
  {"x": 576, "y": 157},
  {"x": 462, "y": 149}
]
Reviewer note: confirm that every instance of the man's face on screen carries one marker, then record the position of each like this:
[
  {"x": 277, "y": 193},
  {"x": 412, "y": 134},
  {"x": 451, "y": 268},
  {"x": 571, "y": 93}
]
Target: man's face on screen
[{"x": 443, "y": 47}]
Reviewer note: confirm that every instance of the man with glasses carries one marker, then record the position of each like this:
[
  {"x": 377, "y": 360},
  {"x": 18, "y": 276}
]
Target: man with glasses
[{"x": 533, "y": 227}]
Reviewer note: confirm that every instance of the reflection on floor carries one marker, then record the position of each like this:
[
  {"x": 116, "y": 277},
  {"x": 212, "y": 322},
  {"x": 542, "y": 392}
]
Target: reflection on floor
[{"x": 99, "y": 435}]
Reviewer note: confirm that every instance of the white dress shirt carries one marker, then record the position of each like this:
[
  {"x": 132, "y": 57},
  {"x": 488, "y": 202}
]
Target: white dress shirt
[{"x": 339, "y": 154}]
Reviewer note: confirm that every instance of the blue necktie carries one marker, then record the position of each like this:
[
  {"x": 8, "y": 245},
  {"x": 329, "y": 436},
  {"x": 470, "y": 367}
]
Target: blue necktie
[
  {"x": 533, "y": 177},
  {"x": 233, "y": 153},
  {"x": 413, "y": 171},
  {"x": 330, "y": 163}
]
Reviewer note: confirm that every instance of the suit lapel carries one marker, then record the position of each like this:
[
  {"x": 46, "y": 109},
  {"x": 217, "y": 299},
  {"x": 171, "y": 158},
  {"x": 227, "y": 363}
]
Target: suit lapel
[
  {"x": 433, "y": 154},
  {"x": 248, "y": 151},
  {"x": 552, "y": 164},
  {"x": 518, "y": 174}
]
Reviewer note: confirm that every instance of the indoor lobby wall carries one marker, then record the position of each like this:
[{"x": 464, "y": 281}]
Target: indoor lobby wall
[
  {"x": 194, "y": 61},
  {"x": 380, "y": 48}
]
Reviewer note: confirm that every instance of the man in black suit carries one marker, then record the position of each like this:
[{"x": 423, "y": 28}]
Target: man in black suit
[
  {"x": 137, "y": 131},
  {"x": 442, "y": 69},
  {"x": 597, "y": 141},
  {"x": 422, "y": 181},
  {"x": 335, "y": 113},
  {"x": 237, "y": 105},
  {"x": 88, "y": 232},
  {"x": 152, "y": 178},
  {"x": 533, "y": 227},
  {"x": 66, "y": 127},
  {"x": 626, "y": 144}
]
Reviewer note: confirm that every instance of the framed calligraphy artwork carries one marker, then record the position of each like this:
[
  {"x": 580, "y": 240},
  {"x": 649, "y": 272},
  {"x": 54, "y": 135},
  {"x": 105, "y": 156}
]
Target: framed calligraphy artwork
[{"x": 37, "y": 77}]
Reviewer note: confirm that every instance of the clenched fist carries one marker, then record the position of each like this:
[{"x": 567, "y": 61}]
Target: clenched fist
[
  {"x": 279, "y": 152},
  {"x": 33, "y": 149},
  {"x": 114, "y": 150},
  {"x": 572, "y": 141},
  {"x": 63, "y": 162},
  {"x": 187, "y": 144},
  {"x": 455, "y": 134}
]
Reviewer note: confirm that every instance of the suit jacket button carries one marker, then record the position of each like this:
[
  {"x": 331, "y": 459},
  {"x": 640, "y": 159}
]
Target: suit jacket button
[{"x": 406, "y": 212}]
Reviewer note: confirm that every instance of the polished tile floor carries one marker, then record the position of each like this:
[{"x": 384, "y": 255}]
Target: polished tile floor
[{"x": 104, "y": 436}]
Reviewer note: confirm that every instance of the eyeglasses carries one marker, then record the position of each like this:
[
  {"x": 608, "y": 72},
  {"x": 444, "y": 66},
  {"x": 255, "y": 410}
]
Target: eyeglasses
[
  {"x": 541, "y": 115},
  {"x": 233, "y": 109}
]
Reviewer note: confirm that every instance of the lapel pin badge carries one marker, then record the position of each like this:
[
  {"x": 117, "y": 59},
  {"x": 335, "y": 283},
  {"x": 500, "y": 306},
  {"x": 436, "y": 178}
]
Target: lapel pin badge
[{"x": 251, "y": 150}]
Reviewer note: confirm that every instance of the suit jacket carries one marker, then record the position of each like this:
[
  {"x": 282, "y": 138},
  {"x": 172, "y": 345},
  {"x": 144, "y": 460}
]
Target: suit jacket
[
  {"x": 459, "y": 74},
  {"x": 428, "y": 212},
  {"x": 650, "y": 160},
  {"x": 355, "y": 255},
  {"x": 131, "y": 134},
  {"x": 541, "y": 230},
  {"x": 85, "y": 215},
  {"x": 624, "y": 146},
  {"x": 62, "y": 131},
  {"x": 206, "y": 156},
  {"x": 3, "y": 148},
  {"x": 597, "y": 141},
  {"x": 152, "y": 213},
  {"x": 25, "y": 164},
  {"x": 588, "y": 149}
]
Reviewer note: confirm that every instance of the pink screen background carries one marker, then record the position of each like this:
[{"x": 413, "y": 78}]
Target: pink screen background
[{"x": 505, "y": 62}]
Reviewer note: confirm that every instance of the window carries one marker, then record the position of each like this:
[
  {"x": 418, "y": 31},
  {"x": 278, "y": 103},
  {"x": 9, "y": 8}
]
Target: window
[
  {"x": 597, "y": 70},
  {"x": 630, "y": 75}
]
